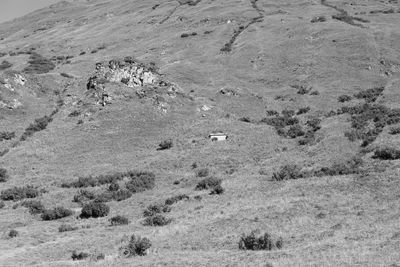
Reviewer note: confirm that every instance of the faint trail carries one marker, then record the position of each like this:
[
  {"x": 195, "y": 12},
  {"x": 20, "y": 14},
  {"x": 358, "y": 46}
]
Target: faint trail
[
  {"x": 344, "y": 16},
  {"x": 181, "y": 3},
  {"x": 228, "y": 46}
]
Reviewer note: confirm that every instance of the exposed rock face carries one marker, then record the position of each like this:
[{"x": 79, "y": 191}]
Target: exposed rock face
[{"x": 133, "y": 74}]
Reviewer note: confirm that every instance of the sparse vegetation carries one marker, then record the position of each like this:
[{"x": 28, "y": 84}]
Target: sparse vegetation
[
  {"x": 207, "y": 183},
  {"x": 288, "y": 172},
  {"x": 264, "y": 241},
  {"x": 303, "y": 110},
  {"x": 119, "y": 220},
  {"x": 13, "y": 233},
  {"x": 342, "y": 168},
  {"x": 203, "y": 172},
  {"x": 136, "y": 246},
  {"x": 95, "y": 210},
  {"x": 56, "y": 213},
  {"x": 217, "y": 190},
  {"x": 370, "y": 95},
  {"x": 166, "y": 144},
  {"x": 79, "y": 256},
  {"x": 175, "y": 199},
  {"x": 154, "y": 209},
  {"x": 39, "y": 125},
  {"x": 386, "y": 153},
  {"x": 394, "y": 130},
  {"x": 34, "y": 206},
  {"x": 6, "y": 135},
  {"x": 67, "y": 228},
  {"x": 19, "y": 193},
  {"x": 157, "y": 220},
  {"x": 344, "y": 98},
  {"x": 3, "y": 175}
]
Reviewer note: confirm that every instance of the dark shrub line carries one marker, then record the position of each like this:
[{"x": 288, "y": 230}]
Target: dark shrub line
[
  {"x": 95, "y": 210},
  {"x": 19, "y": 193},
  {"x": 386, "y": 153},
  {"x": 56, "y": 213},
  {"x": 39, "y": 125},
  {"x": 38, "y": 64}
]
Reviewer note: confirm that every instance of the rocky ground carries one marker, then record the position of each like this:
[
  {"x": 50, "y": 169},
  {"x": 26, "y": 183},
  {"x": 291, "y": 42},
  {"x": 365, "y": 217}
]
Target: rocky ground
[{"x": 307, "y": 92}]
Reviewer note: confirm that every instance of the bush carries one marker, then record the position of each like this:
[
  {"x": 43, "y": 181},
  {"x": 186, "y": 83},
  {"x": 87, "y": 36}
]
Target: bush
[
  {"x": 318, "y": 19},
  {"x": 79, "y": 256},
  {"x": 166, "y": 144},
  {"x": 56, "y": 213},
  {"x": 303, "y": 110},
  {"x": 301, "y": 89},
  {"x": 3, "y": 175},
  {"x": 173, "y": 200},
  {"x": 34, "y": 206},
  {"x": 245, "y": 119},
  {"x": 342, "y": 168},
  {"x": 83, "y": 196},
  {"x": 154, "y": 209},
  {"x": 295, "y": 131},
  {"x": 386, "y": 154},
  {"x": 119, "y": 220},
  {"x": 207, "y": 183},
  {"x": 66, "y": 75},
  {"x": 74, "y": 113},
  {"x": 261, "y": 242},
  {"x": 394, "y": 130},
  {"x": 39, "y": 125},
  {"x": 6, "y": 135},
  {"x": 218, "y": 190},
  {"x": 67, "y": 228},
  {"x": 344, "y": 98},
  {"x": 2, "y": 204},
  {"x": 39, "y": 64},
  {"x": 13, "y": 233},
  {"x": 203, "y": 172},
  {"x": 19, "y": 193},
  {"x": 370, "y": 95},
  {"x": 95, "y": 210},
  {"x": 137, "y": 246},
  {"x": 288, "y": 172},
  {"x": 140, "y": 182},
  {"x": 114, "y": 186},
  {"x": 156, "y": 220},
  {"x": 119, "y": 195}
]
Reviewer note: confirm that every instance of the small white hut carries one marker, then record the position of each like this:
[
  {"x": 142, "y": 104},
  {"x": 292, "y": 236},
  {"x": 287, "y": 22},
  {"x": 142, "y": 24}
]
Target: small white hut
[{"x": 218, "y": 136}]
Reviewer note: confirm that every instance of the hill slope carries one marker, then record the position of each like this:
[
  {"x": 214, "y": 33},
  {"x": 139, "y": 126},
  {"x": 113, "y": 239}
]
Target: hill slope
[{"x": 309, "y": 85}]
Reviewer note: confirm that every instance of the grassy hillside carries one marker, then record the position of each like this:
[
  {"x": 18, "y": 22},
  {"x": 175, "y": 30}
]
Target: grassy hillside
[{"x": 106, "y": 109}]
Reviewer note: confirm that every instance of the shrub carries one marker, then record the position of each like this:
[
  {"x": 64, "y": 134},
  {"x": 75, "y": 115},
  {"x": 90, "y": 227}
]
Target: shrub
[
  {"x": 245, "y": 119},
  {"x": 261, "y": 242},
  {"x": 301, "y": 89},
  {"x": 272, "y": 113},
  {"x": 370, "y": 95},
  {"x": 119, "y": 220},
  {"x": 56, "y": 213},
  {"x": 207, "y": 183},
  {"x": 84, "y": 196},
  {"x": 386, "y": 153},
  {"x": 166, "y": 144},
  {"x": 184, "y": 35},
  {"x": 67, "y": 228},
  {"x": 79, "y": 256},
  {"x": 288, "y": 172},
  {"x": 295, "y": 131},
  {"x": 18, "y": 193},
  {"x": 303, "y": 110},
  {"x": 344, "y": 98},
  {"x": 137, "y": 246},
  {"x": 140, "y": 182},
  {"x": 13, "y": 233},
  {"x": 203, "y": 172},
  {"x": 173, "y": 200},
  {"x": 114, "y": 186},
  {"x": 154, "y": 209},
  {"x": 95, "y": 210},
  {"x": 6, "y": 135},
  {"x": 38, "y": 64},
  {"x": 2, "y": 204},
  {"x": 394, "y": 130},
  {"x": 82, "y": 53},
  {"x": 34, "y": 206},
  {"x": 121, "y": 195},
  {"x": 66, "y": 75},
  {"x": 5, "y": 65},
  {"x": 3, "y": 175},
  {"x": 218, "y": 190},
  {"x": 342, "y": 168},
  {"x": 74, "y": 113},
  {"x": 39, "y": 125},
  {"x": 156, "y": 220}
]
